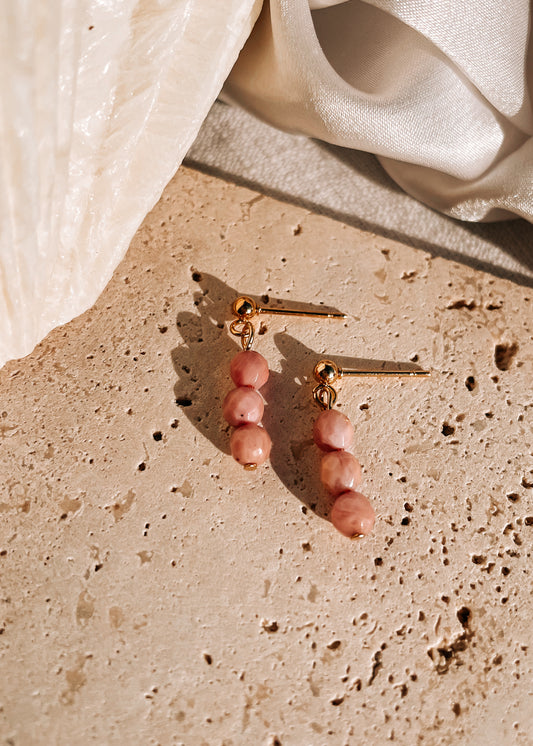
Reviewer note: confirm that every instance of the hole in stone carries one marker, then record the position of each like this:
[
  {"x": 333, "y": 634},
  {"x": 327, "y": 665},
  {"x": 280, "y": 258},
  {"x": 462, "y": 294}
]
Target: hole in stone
[
  {"x": 513, "y": 497},
  {"x": 504, "y": 354},
  {"x": 462, "y": 303},
  {"x": 447, "y": 429},
  {"x": 142, "y": 466},
  {"x": 405, "y": 521},
  {"x": 265, "y": 299},
  {"x": 196, "y": 276},
  {"x": 183, "y": 402},
  {"x": 157, "y": 435},
  {"x": 470, "y": 383},
  {"x": 478, "y": 559},
  {"x": 463, "y": 615}
]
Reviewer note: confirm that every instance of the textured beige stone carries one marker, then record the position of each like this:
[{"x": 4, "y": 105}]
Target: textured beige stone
[{"x": 154, "y": 592}]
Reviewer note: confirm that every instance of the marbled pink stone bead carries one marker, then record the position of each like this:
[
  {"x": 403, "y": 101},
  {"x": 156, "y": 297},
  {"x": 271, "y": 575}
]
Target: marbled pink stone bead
[
  {"x": 250, "y": 444},
  {"x": 340, "y": 471},
  {"x": 352, "y": 514},
  {"x": 242, "y": 406},
  {"x": 249, "y": 368},
  {"x": 333, "y": 431}
]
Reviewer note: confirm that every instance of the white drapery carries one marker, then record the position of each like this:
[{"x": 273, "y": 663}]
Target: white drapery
[{"x": 439, "y": 90}]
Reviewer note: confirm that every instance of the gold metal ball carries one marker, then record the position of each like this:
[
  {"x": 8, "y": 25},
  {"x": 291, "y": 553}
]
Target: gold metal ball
[
  {"x": 244, "y": 307},
  {"x": 326, "y": 371}
]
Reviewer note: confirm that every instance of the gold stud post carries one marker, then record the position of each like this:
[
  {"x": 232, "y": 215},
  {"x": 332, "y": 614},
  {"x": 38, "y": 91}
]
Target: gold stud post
[
  {"x": 245, "y": 308},
  {"x": 326, "y": 371},
  {"x": 378, "y": 373}
]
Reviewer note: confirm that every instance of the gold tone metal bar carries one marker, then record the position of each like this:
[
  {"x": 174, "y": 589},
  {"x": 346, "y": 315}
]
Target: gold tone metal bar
[
  {"x": 343, "y": 372},
  {"x": 327, "y": 372},
  {"x": 246, "y": 308},
  {"x": 293, "y": 312}
]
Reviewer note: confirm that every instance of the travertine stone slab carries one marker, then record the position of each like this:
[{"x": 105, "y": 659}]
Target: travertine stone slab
[{"x": 154, "y": 592}]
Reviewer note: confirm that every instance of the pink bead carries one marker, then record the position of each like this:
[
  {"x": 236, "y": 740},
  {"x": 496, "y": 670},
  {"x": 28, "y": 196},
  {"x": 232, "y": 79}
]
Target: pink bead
[
  {"x": 352, "y": 514},
  {"x": 250, "y": 444},
  {"x": 249, "y": 368},
  {"x": 333, "y": 431},
  {"x": 242, "y": 406},
  {"x": 340, "y": 471}
]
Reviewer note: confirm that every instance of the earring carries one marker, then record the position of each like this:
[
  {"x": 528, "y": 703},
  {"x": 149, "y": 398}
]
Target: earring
[
  {"x": 340, "y": 472},
  {"x": 243, "y": 407}
]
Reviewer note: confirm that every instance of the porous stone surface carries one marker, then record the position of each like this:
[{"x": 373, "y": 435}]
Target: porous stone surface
[{"x": 154, "y": 592}]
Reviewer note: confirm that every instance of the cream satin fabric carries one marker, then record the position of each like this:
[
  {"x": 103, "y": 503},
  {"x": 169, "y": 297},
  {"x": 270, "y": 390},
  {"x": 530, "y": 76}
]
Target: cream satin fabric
[{"x": 440, "y": 90}]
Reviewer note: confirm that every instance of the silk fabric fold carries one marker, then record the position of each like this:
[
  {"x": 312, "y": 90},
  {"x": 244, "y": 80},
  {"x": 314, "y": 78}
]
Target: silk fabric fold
[{"x": 440, "y": 91}]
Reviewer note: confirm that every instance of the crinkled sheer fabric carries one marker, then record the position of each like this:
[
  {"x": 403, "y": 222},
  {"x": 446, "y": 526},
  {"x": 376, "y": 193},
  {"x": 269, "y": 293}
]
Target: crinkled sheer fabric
[{"x": 441, "y": 91}]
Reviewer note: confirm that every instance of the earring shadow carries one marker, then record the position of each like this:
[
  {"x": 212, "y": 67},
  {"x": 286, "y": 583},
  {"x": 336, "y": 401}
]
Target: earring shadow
[{"x": 201, "y": 361}]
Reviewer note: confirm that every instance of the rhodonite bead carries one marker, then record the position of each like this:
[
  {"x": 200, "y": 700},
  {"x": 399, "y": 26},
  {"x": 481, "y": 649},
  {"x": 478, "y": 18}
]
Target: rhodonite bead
[
  {"x": 249, "y": 368},
  {"x": 332, "y": 431},
  {"x": 243, "y": 405},
  {"x": 352, "y": 514},
  {"x": 340, "y": 471},
  {"x": 250, "y": 444}
]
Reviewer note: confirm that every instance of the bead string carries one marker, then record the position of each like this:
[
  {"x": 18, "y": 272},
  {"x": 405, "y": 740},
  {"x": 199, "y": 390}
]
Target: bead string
[
  {"x": 243, "y": 406},
  {"x": 340, "y": 472}
]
